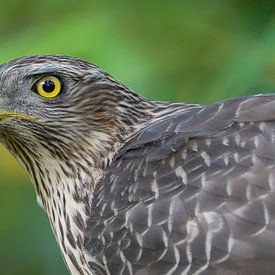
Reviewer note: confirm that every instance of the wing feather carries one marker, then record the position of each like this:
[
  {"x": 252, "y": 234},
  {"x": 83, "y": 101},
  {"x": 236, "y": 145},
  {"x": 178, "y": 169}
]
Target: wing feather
[{"x": 193, "y": 192}]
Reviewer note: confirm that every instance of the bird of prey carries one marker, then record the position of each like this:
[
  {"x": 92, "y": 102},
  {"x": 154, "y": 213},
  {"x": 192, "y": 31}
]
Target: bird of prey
[{"x": 133, "y": 186}]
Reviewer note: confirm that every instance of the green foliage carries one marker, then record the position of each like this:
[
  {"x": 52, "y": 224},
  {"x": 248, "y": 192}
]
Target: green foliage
[
  {"x": 27, "y": 244},
  {"x": 193, "y": 51}
]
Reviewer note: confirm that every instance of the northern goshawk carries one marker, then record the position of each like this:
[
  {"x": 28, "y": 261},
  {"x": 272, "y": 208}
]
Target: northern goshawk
[{"x": 133, "y": 186}]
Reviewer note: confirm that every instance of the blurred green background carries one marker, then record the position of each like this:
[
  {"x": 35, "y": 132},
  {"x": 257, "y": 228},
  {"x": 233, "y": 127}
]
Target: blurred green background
[{"x": 192, "y": 51}]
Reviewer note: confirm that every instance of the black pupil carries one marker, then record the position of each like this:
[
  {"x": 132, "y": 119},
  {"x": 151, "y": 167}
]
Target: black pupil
[{"x": 48, "y": 86}]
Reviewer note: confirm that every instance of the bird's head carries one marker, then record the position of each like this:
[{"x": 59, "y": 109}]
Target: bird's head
[{"x": 64, "y": 108}]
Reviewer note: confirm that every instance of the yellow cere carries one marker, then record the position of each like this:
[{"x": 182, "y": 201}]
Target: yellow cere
[
  {"x": 6, "y": 114},
  {"x": 48, "y": 86}
]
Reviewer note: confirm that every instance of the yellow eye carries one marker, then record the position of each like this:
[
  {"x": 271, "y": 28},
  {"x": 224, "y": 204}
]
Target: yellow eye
[{"x": 48, "y": 86}]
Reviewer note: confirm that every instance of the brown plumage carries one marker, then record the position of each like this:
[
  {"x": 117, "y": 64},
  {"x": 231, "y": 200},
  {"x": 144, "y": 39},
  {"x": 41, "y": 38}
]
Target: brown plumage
[{"x": 133, "y": 186}]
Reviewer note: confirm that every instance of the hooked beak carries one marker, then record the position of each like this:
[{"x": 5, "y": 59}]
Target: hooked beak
[{"x": 6, "y": 114}]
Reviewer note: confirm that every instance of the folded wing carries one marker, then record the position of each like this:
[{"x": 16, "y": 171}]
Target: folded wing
[{"x": 193, "y": 192}]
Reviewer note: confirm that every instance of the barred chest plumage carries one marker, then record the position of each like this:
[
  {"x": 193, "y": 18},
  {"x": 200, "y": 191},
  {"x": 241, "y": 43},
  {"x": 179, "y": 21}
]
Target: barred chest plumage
[
  {"x": 68, "y": 219},
  {"x": 65, "y": 197}
]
